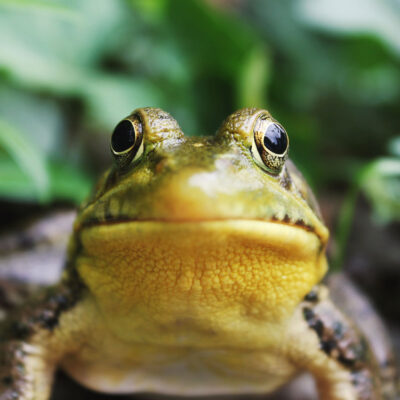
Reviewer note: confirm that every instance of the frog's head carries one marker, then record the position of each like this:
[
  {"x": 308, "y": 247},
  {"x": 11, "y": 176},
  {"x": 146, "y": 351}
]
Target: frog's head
[{"x": 179, "y": 225}]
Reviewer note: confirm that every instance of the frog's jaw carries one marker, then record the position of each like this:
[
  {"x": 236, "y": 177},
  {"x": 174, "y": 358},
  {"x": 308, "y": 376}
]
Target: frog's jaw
[{"x": 153, "y": 280}]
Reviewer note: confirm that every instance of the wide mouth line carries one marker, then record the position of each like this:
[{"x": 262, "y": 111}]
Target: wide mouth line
[{"x": 299, "y": 224}]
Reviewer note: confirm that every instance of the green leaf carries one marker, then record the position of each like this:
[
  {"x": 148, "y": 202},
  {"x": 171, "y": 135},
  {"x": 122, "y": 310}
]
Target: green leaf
[
  {"x": 214, "y": 40},
  {"x": 68, "y": 183},
  {"x": 253, "y": 78},
  {"x": 377, "y": 17},
  {"x": 27, "y": 157},
  {"x": 14, "y": 183},
  {"x": 110, "y": 98},
  {"x": 52, "y": 7},
  {"x": 40, "y": 118},
  {"x": 153, "y": 9},
  {"x": 60, "y": 56},
  {"x": 380, "y": 181},
  {"x": 394, "y": 146}
]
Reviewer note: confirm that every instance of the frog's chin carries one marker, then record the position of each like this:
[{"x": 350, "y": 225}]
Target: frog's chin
[{"x": 169, "y": 271}]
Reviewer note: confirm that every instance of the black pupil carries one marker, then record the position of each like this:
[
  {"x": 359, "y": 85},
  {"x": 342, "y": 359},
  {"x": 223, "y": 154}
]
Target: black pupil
[
  {"x": 123, "y": 136},
  {"x": 275, "y": 139}
]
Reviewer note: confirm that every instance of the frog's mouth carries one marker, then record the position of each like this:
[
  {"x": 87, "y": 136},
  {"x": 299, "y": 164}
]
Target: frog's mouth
[
  {"x": 291, "y": 235},
  {"x": 320, "y": 232}
]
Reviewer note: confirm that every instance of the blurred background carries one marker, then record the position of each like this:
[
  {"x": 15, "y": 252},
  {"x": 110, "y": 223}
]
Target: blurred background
[{"x": 328, "y": 71}]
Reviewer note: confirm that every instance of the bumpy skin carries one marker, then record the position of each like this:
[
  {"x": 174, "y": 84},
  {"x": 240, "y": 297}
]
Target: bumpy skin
[{"x": 193, "y": 271}]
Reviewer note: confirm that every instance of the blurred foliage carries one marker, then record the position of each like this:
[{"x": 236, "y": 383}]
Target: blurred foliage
[
  {"x": 380, "y": 181},
  {"x": 69, "y": 70}
]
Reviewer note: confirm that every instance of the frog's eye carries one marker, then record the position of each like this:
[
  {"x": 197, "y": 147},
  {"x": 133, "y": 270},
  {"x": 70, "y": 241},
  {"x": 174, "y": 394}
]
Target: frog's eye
[
  {"x": 270, "y": 144},
  {"x": 127, "y": 141}
]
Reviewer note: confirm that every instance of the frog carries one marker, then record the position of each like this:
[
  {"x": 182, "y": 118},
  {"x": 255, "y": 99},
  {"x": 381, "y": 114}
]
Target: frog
[{"x": 195, "y": 268}]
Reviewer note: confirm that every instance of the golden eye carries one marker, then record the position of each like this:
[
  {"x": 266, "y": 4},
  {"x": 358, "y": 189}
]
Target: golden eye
[
  {"x": 127, "y": 141},
  {"x": 270, "y": 144}
]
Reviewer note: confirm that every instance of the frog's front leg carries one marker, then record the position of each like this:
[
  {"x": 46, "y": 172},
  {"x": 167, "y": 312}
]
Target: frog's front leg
[
  {"x": 26, "y": 373},
  {"x": 34, "y": 339},
  {"x": 324, "y": 341}
]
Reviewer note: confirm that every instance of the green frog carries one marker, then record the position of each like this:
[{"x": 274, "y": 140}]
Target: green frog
[{"x": 194, "y": 268}]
